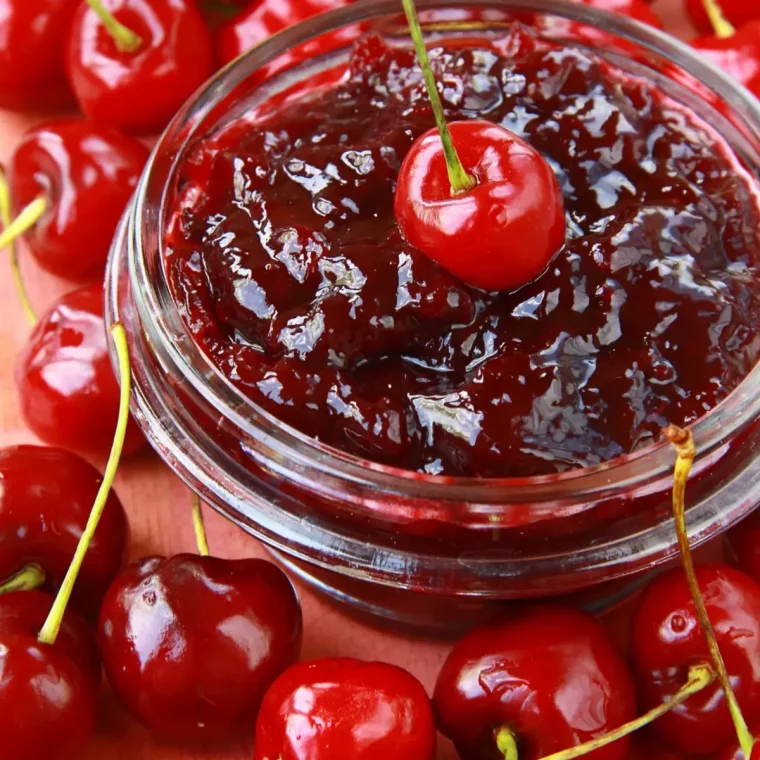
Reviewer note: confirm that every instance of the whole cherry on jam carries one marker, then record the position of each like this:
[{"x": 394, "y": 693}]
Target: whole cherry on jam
[
  {"x": 74, "y": 179},
  {"x": 736, "y": 12},
  {"x": 348, "y": 709},
  {"x": 45, "y": 500},
  {"x": 667, "y": 639},
  {"x": 743, "y": 546},
  {"x": 191, "y": 643},
  {"x": 519, "y": 682},
  {"x": 33, "y": 38},
  {"x": 68, "y": 393},
  {"x": 132, "y": 64}
]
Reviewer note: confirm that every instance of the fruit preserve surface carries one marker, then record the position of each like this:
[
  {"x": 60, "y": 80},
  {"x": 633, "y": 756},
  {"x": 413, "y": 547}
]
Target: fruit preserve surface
[{"x": 285, "y": 260}]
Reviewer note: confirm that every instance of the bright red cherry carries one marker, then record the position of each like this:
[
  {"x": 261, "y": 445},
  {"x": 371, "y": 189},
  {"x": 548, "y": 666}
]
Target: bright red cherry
[
  {"x": 548, "y": 677},
  {"x": 737, "y": 12},
  {"x": 33, "y": 33},
  {"x": 743, "y": 546},
  {"x": 192, "y": 643},
  {"x": 68, "y": 391},
  {"x": 48, "y": 693},
  {"x": 348, "y": 709},
  {"x": 667, "y": 639},
  {"x": 86, "y": 173},
  {"x": 138, "y": 90},
  {"x": 45, "y": 500},
  {"x": 500, "y": 234}
]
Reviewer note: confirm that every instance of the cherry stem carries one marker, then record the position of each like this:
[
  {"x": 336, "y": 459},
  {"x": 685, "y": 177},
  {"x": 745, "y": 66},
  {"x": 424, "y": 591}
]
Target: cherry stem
[
  {"x": 18, "y": 280},
  {"x": 700, "y": 676},
  {"x": 683, "y": 442},
  {"x": 506, "y": 743},
  {"x": 201, "y": 539},
  {"x": 460, "y": 180},
  {"x": 124, "y": 38},
  {"x": 50, "y": 629},
  {"x": 28, "y": 579},
  {"x": 722, "y": 26}
]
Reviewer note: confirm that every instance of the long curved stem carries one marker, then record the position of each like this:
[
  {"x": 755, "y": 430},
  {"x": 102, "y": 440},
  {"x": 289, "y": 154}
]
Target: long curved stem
[
  {"x": 124, "y": 38},
  {"x": 50, "y": 629},
  {"x": 201, "y": 539},
  {"x": 683, "y": 442},
  {"x": 722, "y": 26},
  {"x": 460, "y": 180},
  {"x": 28, "y": 579}
]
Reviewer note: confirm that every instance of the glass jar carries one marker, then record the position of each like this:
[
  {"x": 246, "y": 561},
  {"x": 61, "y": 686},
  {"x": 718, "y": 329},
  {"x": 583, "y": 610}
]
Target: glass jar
[{"x": 425, "y": 549}]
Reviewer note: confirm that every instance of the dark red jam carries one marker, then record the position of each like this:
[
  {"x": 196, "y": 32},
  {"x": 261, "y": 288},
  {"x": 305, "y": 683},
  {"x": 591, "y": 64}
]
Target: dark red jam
[{"x": 286, "y": 262}]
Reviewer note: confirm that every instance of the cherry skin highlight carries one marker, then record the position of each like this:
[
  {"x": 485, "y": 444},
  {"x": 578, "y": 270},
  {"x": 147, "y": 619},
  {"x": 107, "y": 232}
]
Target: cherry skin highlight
[
  {"x": 348, "y": 709},
  {"x": 139, "y": 92},
  {"x": 743, "y": 546},
  {"x": 87, "y": 174},
  {"x": 667, "y": 639},
  {"x": 499, "y": 235},
  {"x": 736, "y": 12},
  {"x": 68, "y": 392},
  {"x": 192, "y": 643},
  {"x": 529, "y": 674}
]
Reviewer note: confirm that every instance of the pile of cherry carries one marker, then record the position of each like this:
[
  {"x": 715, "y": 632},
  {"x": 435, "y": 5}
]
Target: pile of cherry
[{"x": 201, "y": 648}]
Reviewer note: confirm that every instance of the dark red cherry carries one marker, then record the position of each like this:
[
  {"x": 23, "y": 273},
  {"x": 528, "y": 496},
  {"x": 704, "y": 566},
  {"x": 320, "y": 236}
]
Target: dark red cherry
[
  {"x": 139, "y": 91},
  {"x": 48, "y": 693},
  {"x": 500, "y": 234},
  {"x": 743, "y": 546},
  {"x": 347, "y": 709},
  {"x": 528, "y": 676},
  {"x": 736, "y": 12},
  {"x": 87, "y": 174},
  {"x": 68, "y": 392},
  {"x": 667, "y": 640},
  {"x": 33, "y": 34},
  {"x": 45, "y": 500},
  {"x": 192, "y": 643}
]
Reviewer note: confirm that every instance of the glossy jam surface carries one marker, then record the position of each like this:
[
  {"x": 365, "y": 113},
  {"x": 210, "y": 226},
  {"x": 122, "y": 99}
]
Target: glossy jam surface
[{"x": 286, "y": 262}]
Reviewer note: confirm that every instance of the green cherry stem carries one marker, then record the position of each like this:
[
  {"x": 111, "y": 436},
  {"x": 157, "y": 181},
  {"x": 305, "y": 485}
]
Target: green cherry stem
[
  {"x": 124, "y": 38},
  {"x": 683, "y": 442},
  {"x": 50, "y": 629},
  {"x": 722, "y": 26},
  {"x": 28, "y": 579},
  {"x": 201, "y": 539},
  {"x": 460, "y": 180},
  {"x": 6, "y": 221}
]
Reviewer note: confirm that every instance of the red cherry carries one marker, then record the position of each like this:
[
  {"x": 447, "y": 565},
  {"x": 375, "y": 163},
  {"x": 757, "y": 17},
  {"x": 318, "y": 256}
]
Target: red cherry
[
  {"x": 48, "y": 693},
  {"x": 348, "y": 709},
  {"x": 500, "y": 234},
  {"x": 139, "y": 92},
  {"x": 45, "y": 501},
  {"x": 68, "y": 391},
  {"x": 743, "y": 546},
  {"x": 33, "y": 35},
  {"x": 667, "y": 640},
  {"x": 87, "y": 174},
  {"x": 192, "y": 643},
  {"x": 530, "y": 674},
  {"x": 736, "y": 12}
]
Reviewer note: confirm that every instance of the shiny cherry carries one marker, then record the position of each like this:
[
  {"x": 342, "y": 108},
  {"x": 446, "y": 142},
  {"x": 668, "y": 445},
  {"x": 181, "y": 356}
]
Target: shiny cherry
[
  {"x": 45, "y": 500},
  {"x": 86, "y": 173},
  {"x": 68, "y": 392},
  {"x": 499, "y": 235},
  {"x": 192, "y": 643},
  {"x": 528, "y": 675},
  {"x": 743, "y": 546},
  {"x": 666, "y": 639},
  {"x": 140, "y": 91},
  {"x": 736, "y": 12},
  {"x": 48, "y": 693},
  {"x": 33, "y": 34},
  {"x": 348, "y": 709}
]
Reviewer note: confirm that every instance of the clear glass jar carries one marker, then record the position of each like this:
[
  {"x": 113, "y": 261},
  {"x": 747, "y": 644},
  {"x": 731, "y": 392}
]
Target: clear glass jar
[{"x": 426, "y": 549}]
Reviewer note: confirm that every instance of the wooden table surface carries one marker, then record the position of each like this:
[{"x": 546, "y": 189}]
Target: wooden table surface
[{"x": 158, "y": 505}]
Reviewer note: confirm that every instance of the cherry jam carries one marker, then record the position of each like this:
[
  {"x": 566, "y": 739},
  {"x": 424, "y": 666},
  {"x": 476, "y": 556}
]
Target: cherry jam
[{"x": 285, "y": 260}]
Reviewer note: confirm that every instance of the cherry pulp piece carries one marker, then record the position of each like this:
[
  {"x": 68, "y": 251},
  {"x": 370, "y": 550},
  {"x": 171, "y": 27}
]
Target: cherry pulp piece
[
  {"x": 526, "y": 677},
  {"x": 86, "y": 174},
  {"x": 139, "y": 91},
  {"x": 667, "y": 639},
  {"x": 348, "y": 709},
  {"x": 48, "y": 693},
  {"x": 192, "y": 643},
  {"x": 736, "y": 12},
  {"x": 498, "y": 235},
  {"x": 68, "y": 391},
  {"x": 31, "y": 54},
  {"x": 45, "y": 500},
  {"x": 743, "y": 546}
]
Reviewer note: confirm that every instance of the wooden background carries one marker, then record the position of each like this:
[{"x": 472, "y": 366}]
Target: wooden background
[{"x": 158, "y": 505}]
